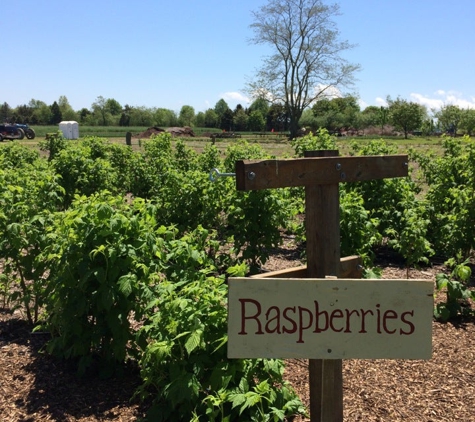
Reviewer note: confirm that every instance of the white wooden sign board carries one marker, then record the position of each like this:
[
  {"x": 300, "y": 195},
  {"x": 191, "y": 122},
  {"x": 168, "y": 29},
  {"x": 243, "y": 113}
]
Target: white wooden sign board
[{"x": 330, "y": 318}]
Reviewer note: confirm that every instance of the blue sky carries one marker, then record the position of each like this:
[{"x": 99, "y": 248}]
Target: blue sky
[{"x": 158, "y": 53}]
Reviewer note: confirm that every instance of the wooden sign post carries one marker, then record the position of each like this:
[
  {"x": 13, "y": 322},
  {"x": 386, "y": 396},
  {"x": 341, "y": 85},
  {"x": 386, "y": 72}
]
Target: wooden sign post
[{"x": 320, "y": 172}]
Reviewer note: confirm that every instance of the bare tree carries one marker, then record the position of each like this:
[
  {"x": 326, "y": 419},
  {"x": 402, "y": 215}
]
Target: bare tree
[{"x": 306, "y": 56}]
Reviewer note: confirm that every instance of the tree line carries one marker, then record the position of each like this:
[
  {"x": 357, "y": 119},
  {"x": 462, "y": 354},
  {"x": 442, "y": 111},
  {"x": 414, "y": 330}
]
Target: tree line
[
  {"x": 109, "y": 112},
  {"x": 338, "y": 115}
]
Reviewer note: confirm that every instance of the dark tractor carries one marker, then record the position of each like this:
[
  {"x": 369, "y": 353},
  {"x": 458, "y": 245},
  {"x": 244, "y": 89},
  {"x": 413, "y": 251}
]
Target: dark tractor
[
  {"x": 29, "y": 132},
  {"x": 8, "y": 131},
  {"x": 16, "y": 131}
]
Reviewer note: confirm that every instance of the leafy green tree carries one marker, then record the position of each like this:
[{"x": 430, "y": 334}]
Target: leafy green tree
[
  {"x": 165, "y": 117},
  {"x": 467, "y": 122},
  {"x": 306, "y": 54},
  {"x": 449, "y": 117},
  {"x": 125, "y": 116},
  {"x": 220, "y": 107},
  {"x": 42, "y": 115},
  {"x": 141, "y": 116},
  {"x": 406, "y": 115},
  {"x": 277, "y": 118},
  {"x": 211, "y": 118},
  {"x": 375, "y": 116},
  {"x": 349, "y": 108},
  {"x": 186, "y": 116},
  {"x": 41, "y": 112},
  {"x": 83, "y": 114},
  {"x": 23, "y": 114},
  {"x": 67, "y": 111},
  {"x": 34, "y": 104},
  {"x": 259, "y": 104},
  {"x": 327, "y": 114},
  {"x": 226, "y": 122},
  {"x": 308, "y": 120},
  {"x": 99, "y": 110},
  {"x": 240, "y": 120},
  {"x": 5, "y": 112},
  {"x": 113, "y": 106},
  {"x": 256, "y": 122},
  {"x": 200, "y": 119},
  {"x": 56, "y": 115},
  {"x": 335, "y": 113},
  {"x": 371, "y": 116},
  {"x": 428, "y": 127}
]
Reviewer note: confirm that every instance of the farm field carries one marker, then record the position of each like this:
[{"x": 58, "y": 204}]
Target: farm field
[
  {"x": 274, "y": 144},
  {"x": 39, "y": 387}
]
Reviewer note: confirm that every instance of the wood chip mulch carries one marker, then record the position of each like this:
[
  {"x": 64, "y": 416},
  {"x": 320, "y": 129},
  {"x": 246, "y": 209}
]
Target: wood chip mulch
[{"x": 35, "y": 387}]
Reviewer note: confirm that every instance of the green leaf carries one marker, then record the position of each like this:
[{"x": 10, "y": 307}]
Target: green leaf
[
  {"x": 125, "y": 284},
  {"x": 441, "y": 281},
  {"x": 194, "y": 340},
  {"x": 238, "y": 399}
]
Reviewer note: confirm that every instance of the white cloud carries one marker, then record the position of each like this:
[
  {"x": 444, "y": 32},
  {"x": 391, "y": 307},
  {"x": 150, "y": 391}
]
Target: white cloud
[
  {"x": 381, "y": 102},
  {"x": 362, "y": 104},
  {"x": 430, "y": 103},
  {"x": 328, "y": 91},
  {"x": 235, "y": 98},
  {"x": 441, "y": 98}
]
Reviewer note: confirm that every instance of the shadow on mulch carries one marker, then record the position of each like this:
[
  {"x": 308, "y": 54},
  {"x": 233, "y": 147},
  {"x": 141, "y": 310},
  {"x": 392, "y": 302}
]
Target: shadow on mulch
[{"x": 51, "y": 388}]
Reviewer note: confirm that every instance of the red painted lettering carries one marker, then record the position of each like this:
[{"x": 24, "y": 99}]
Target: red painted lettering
[
  {"x": 378, "y": 311},
  {"x": 389, "y": 315},
  {"x": 294, "y": 324},
  {"x": 363, "y": 319},
  {"x": 275, "y": 319},
  {"x": 302, "y": 325},
  {"x": 409, "y": 323},
  {"x": 348, "y": 316},
  {"x": 337, "y": 313},
  {"x": 317, "y": 319},
  {"x": 254, "y": 317}
]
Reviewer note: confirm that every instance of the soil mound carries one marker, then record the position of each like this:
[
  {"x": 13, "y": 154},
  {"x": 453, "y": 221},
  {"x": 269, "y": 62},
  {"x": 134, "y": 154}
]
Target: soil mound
[
  {"x": 181, "y": 131},
  {"x": 149, "y": 132},
  {"x": 175, "y": 131}
]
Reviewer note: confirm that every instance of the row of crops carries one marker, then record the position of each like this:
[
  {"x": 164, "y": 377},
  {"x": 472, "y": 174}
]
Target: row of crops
[{"x": 123, "y": 255}]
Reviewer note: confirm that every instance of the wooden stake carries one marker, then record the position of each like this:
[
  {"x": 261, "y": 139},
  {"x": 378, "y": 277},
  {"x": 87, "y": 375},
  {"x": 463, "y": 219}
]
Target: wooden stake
[{"x": 322, "y": 225}]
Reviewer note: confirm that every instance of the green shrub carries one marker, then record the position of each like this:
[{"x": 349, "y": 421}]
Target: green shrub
[
  {"x": 322, "y": 140},
  {"x": 451, "y": 198},
  {"x": 100, "y": 255},
  {"x": 255, "y": 219},
  {"x": 184, "y": 365},
  {"x": 458, "y": 294},
  {"x": 27, "y": 200}
]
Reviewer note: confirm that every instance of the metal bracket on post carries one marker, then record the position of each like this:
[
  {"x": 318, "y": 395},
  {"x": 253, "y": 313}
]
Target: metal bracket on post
[{"x": 215, "y": 173}]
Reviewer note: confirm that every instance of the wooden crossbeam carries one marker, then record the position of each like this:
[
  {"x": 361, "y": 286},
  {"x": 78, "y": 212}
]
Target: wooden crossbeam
[
  {"x": 265, "y": 174},
  {"x": 350, "y": 267}
]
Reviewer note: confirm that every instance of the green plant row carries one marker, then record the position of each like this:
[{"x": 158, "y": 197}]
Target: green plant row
[{"x": 124, "y": 255}]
